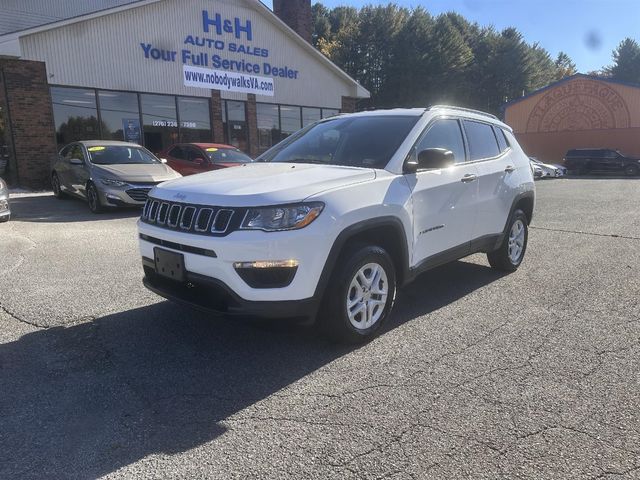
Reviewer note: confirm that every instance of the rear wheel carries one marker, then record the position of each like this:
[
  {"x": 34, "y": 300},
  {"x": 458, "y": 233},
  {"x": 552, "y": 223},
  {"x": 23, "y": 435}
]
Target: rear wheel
[
  {"x": 510, "y": 254},
  {"x": 55, "y": 186},
  {"x": 360, "y": 296},
  {"x": 94, "y": 199}
]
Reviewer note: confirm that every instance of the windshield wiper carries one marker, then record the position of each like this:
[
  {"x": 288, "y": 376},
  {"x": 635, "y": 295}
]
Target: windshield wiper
[{"x": 307, "y": 160}]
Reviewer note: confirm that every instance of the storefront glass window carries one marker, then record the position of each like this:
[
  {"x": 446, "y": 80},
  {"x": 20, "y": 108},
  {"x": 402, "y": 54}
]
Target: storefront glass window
[
  {"x": 310, "y": 115},
  {"x": 120, "y": 116},
  {"x": 160, "y": 122},
  {"x": 329, "y": 112},
  {"x": 75, "y": 114},
  {"x": 268, "y": 125},
  {"x": 290, "y": 120},
  {"x": 195, "y": 120},
  {"x": 236, "y": 125}
]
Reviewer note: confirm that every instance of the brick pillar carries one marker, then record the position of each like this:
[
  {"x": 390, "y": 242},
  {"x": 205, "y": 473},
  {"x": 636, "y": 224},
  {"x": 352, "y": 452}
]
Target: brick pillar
[
  {"x": 31, "y": 127},
  {"x": 348, "y": 105},
  {"x": 252, "y": 122},
  {"x": 216, "y": 117}
]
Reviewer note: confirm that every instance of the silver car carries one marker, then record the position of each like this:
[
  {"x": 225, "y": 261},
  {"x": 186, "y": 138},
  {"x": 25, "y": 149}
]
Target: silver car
[
  {"x": 550, "y": 170},
  {"x": 5, "y": 211},
  {"x": 108, "y": 173}
]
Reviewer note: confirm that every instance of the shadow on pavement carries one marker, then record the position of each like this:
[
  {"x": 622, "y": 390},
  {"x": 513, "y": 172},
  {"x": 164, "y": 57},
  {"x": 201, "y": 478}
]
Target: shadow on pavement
[
  {"x": 47, "y": 208},
  {"x": 603, "y": 176},
  {"x": 86, "y": 400}
]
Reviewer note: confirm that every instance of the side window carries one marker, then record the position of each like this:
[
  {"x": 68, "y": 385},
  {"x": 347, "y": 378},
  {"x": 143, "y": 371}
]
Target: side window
[
  {"x": 64, "y": 153},
  {"x": 178, "y": 152},
  {"x": 193, "y": 153},
  {"x": 503, "y": 144},
  {"x": 444, "y": 133},
  {"x": 482, "y": 141},
  {"x": 76, "y": 152}
]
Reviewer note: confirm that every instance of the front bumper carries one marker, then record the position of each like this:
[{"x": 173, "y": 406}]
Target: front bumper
[
  {"x": 214, "y": 296},
  {"x": 5, "y": 210},
  {"x": 214, "y": 257},
  {"x": 133, "y": 195}
]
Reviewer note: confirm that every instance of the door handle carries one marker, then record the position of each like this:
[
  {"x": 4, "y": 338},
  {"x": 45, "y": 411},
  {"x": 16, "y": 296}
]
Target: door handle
[
  {"x": 469, "y": 177},
  {"x": 509, "y": 168}
]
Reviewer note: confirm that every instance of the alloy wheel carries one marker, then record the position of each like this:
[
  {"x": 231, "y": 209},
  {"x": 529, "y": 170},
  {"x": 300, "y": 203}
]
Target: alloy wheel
[
  {"x": 516, "y": 241},
  {"x": 367, "y": 296}
]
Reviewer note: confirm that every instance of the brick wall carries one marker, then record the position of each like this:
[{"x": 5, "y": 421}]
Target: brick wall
[
  {"x": 31, "y": 128},
  {"x": 296, "y": 14},
  {"x": 348, "y": 105}
]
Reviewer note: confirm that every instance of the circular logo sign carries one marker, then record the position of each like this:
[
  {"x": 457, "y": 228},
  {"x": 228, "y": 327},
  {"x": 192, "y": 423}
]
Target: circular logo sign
[{"x": 579, "y": 104}]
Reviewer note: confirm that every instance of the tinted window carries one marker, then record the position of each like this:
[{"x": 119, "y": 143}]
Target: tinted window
[
  {"x": 75, "y": 114},
  {"x": 368, "y": 141},
  {"x": 444, "y": 134},
  {"x": 502, "y": 140},
  {"x": 120, "y": 116},
  {"x": 482, "y": 141}
]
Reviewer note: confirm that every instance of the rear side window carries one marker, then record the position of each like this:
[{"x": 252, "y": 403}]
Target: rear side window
[
  {"x": 444, "y": 134},
  {"x": 503, "y": 143},
  {"x": 178, "y": 152},
  {"x": 482, "y": 141}
]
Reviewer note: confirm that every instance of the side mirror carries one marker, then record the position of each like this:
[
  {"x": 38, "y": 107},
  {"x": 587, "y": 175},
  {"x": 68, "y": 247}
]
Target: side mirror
[
  {"x": 76, "y": 161},
  {"x": 163, "y": 160},
  {"x": 198, "y": 161},
  {"x": 429, "y": 159}
]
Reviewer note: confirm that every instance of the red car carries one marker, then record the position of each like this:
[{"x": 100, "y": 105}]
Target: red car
[{"x": 190, "y": 158}]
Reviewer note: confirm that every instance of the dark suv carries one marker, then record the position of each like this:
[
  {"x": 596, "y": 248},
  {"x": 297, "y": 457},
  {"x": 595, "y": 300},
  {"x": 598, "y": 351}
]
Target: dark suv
[{"x": 600, "y": 160}]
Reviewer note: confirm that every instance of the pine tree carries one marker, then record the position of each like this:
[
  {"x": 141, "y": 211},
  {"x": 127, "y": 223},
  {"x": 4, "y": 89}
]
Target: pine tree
[{"x": 626, "y": 62}]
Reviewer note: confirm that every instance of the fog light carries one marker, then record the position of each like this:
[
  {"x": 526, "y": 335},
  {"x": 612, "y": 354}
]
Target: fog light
[
  {"x": 267, "y": 264},
  {"x": 267, "y": 273}
]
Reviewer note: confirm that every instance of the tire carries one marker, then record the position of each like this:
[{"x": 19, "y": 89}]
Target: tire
[
  {"x": 94, "y": 199},
  {"x": 55, "y": 186},
  {"x": 510, "y": 253},
  {"x": 5, "y": 219},
  {"x": 631, "y": 170},
  {"x": 360, "y": 266}
]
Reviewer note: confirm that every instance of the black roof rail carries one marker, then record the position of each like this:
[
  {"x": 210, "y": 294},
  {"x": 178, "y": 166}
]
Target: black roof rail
[{"x": 463, "y": 109}]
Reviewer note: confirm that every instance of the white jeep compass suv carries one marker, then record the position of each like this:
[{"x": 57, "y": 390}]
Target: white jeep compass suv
[{"x": 330, "y": 222}]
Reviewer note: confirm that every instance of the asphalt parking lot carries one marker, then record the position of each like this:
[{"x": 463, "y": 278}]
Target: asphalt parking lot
[{"x": 478, "y": 375}]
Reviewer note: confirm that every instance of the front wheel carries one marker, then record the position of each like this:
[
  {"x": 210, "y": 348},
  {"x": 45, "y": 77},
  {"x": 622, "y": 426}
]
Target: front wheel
[
  {"x": 55, "y": 186},
  {"x": 94, "y": 199},
  {"x": 510, "y": 253},
  {"x": 631, "y": 170},
  {"x": 360, "y": 296}
]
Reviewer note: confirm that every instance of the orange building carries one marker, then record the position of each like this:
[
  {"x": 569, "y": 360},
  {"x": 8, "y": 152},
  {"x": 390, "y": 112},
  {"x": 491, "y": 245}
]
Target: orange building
[{"x": 580, "y": 111}]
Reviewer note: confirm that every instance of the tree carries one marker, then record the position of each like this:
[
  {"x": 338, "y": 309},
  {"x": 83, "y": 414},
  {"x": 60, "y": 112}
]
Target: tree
[
  {"x": 564, "y": 66},
  {"x": 626, "y": 62}
]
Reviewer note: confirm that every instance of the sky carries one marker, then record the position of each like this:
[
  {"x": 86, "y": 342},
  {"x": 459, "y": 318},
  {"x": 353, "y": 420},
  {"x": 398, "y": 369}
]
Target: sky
[{"x": 587, "y": 30}]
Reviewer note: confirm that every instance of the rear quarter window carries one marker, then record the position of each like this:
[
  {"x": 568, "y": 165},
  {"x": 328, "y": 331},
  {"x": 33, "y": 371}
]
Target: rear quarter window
[
  {"x": 503, "y": 143},
  {"x": 482, "y": 140}
]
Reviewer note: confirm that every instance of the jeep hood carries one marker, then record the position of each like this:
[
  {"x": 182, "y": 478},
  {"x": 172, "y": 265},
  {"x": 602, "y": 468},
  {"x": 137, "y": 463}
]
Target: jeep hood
[{"x": 260, "y": 184}]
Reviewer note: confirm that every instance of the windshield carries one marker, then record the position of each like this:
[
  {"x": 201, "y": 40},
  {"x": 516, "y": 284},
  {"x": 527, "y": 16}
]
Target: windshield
[
  {"x": 227, "y": 155},
  {"x": 367, "y": 141},
  {"x": 120, "y": 155}
]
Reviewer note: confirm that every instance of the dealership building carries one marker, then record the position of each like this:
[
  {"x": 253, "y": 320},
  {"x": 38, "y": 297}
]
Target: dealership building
[
  {"x": 580, "y": 111},
  {"x": 159, "y": 72}
]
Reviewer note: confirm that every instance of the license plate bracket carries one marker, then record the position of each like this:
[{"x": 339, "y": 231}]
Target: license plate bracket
[{"x": 169, "y": 264}]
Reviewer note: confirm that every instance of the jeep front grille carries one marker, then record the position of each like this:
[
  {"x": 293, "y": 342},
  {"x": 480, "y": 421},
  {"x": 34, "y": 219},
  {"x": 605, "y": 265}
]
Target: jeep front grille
[{"x": 200, "y": 219}]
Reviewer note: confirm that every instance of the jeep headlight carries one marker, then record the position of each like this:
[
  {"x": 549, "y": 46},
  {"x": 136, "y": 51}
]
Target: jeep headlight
[
  {"x": 112, "y": 182},
  {"x": 285, "y": 217}
]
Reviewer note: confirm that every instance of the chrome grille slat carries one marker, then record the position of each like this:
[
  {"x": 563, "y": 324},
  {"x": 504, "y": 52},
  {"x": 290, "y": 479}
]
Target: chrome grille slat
[
  {"x": 215, "y": 228},
  {"x": 199, "y": 219},
  {"x": 163, "y": 212},
  {"x": 198, "y": 224},
  {"x": 174, "y": 215},
  {"x": 185, "y": 213}
]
